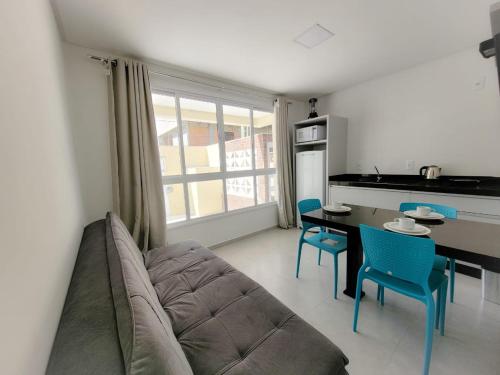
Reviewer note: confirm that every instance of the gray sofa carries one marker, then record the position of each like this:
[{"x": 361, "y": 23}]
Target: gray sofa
[{"x": 177, "y": 310}]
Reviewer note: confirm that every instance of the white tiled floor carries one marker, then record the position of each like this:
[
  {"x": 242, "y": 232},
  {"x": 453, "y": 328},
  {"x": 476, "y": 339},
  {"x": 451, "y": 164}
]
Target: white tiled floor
[{"x": 390, "y": 338}]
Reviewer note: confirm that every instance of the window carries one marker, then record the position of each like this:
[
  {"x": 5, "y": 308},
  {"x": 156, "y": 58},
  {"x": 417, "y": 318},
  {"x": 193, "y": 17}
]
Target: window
[
  {"x": 163, "y": 164},
  {"x": 206, "y": 198},
  {"x": 215, "y": 157},
  {"x": 263, "y": 138},
  {"x": 168, "y": 134},
  {"x": 200, "y": 136},
  {"x": 174, "y": 202},
  {"x": 240, "y": 193},
  {"x": 266, "y": 188},
  {"x": 239, "y": 143}
]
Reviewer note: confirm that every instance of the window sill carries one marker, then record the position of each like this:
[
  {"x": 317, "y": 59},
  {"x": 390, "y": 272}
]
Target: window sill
[{"x": 209, "y": 218}]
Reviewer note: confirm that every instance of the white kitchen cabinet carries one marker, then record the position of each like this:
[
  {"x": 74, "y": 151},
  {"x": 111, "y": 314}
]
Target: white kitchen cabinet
[
  {"x": 379, "y": 198},
  {"x": 470, "y": 207}
]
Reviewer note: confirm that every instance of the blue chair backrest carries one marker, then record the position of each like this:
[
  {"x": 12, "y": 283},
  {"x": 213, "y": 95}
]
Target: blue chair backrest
[
  {"x": 405, "y": 257},
  {"x": 448, "y": 212},
  {"x": 307, "y": 205}
]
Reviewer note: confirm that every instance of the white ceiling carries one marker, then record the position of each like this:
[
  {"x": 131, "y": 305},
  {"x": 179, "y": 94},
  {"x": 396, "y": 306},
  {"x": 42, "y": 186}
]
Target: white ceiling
[{"x": 252, "y": 41}]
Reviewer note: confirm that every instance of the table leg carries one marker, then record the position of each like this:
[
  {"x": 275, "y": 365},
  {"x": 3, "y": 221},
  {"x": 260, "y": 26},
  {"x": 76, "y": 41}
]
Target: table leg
[{"x": 354, "y": 262}]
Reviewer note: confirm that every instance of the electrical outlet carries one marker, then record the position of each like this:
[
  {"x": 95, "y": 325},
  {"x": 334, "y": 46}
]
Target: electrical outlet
[{"x": 410, "y": 165}]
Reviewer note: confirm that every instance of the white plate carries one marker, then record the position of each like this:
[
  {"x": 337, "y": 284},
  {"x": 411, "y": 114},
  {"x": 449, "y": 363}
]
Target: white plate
[
  {"x": 431, "y": 216},
  {"x": 341, "y": 209},
  {"x": 419, "y": 230}
]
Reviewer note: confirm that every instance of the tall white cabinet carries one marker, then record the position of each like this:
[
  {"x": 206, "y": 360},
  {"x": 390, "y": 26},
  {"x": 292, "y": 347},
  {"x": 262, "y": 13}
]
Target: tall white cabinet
[{"x": 311, "y": 174}]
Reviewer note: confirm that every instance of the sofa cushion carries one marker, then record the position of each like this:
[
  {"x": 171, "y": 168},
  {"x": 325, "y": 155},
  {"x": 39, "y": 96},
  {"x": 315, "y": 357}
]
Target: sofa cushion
[
  {"x": 228, "y": 324},
  {"x": 148, "y": 343}
]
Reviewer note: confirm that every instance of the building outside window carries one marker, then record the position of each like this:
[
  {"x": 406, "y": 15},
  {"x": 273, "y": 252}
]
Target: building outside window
[{"x": 215, "y": 157}]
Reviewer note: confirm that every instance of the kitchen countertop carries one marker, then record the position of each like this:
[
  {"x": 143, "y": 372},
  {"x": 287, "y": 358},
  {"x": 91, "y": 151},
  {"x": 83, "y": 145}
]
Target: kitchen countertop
[{"x": 468, "y": 185}]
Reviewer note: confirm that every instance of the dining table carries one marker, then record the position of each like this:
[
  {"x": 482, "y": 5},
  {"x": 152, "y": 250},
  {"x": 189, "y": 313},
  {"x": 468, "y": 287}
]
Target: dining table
[{"x": 469, "y": 241}]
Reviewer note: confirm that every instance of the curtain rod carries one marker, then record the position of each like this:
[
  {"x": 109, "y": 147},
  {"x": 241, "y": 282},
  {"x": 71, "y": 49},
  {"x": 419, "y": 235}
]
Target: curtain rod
[
  {"x": 104, "y": 60},
  {"x": 107, "y": 60},
  {"x": 275, "y": 100},
  {"x": 221, "y": 88}
]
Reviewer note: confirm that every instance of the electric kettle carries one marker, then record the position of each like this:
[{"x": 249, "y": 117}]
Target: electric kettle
[{"x": 430, "y": 172}]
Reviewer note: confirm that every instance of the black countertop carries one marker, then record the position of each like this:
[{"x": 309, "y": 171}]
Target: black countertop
[{"x": 468, "y": 185}]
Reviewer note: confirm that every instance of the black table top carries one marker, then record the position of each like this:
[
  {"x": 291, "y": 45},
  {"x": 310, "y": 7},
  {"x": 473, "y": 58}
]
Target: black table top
[{"x": 472, "y": 241}]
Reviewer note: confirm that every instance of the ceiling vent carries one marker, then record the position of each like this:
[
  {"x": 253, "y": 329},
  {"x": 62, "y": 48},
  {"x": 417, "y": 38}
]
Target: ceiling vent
[{"x": 314, "y": 36}]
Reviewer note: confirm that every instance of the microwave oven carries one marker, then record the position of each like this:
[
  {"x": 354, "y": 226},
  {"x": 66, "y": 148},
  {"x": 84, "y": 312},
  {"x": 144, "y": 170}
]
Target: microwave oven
[{"x": 310, "y": 133}]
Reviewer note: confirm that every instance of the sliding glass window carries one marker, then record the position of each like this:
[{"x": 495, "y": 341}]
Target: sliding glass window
[{"x": 215, "y": 156}]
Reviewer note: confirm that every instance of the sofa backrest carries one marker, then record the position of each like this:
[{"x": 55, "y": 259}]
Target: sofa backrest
[
  {"x": 87, "y": 338},
  {"x": 148, "y": 343}
]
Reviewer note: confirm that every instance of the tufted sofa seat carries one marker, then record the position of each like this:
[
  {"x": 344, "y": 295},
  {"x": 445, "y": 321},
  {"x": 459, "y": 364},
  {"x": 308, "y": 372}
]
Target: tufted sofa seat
[
  {"x": 226, "y": 323},
  {"x": 181, "y": 310}
]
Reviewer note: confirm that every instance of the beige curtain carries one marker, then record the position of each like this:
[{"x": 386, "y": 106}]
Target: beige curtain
[
  {"x": 137, "y": 184},
  {"x": 283, "y": 164}
]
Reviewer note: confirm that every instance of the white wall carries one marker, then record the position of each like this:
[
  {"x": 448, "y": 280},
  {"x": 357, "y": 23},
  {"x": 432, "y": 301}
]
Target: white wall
[
  {"x": 430, "y": 114},
  {"x": 88, "y": 108},
  {"x": 87, "y": 95},
  {"x": 215, "y": 231},
  {"x": 297, "y": 111},
  {"x": 41, "y": 216}
]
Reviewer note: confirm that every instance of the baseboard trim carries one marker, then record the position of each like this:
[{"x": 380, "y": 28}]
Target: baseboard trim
[{"x": 212, "y": 247}]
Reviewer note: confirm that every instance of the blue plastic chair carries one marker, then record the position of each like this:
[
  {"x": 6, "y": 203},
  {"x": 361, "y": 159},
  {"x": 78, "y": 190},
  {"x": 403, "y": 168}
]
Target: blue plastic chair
[
  {"x": 317, "y": 240},
  {"x": 440, "y": 261},
  {"x": 404, "y": 264}
]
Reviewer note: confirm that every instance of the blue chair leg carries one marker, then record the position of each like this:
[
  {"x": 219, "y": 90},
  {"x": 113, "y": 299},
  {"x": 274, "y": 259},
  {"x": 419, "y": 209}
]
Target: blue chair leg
[
  {"x": 438, "y": 307},
  {"x": 380, "y": 294},
  {"x": 359, "y": 287},
  {"x": 452, "y": 280},
  {"x": 335, "y": 275},
  {"x": 443, "y": 308},
  {"x": 319, "y": 257},
  {"x": 299, "y": 254},
  {"x": 429, "y": 327}
]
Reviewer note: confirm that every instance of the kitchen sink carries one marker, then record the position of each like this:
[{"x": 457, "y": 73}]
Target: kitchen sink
[{"x": 380, "y": 182}]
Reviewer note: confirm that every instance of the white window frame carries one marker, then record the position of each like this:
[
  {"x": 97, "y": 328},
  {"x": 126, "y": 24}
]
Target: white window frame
[{"x": 223, "y": 174}]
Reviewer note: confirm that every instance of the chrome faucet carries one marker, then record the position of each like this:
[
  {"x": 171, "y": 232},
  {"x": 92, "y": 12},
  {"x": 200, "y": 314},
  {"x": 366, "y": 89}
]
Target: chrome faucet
[{"x": 379, "y": 177}]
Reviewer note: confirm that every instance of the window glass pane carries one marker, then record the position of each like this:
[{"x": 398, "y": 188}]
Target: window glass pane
[
  {"x": 199, "y": 133},
  {"x": 205, "y": 198},
  {"x": 240, "y": 193},
  {"x": 237, "y": 138},
  {"x": 266, "y": 188},
  {"x": 263, "y": 130},
  {"x": 174, "y": 202},
  {"x": 168, "y": 134}
]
